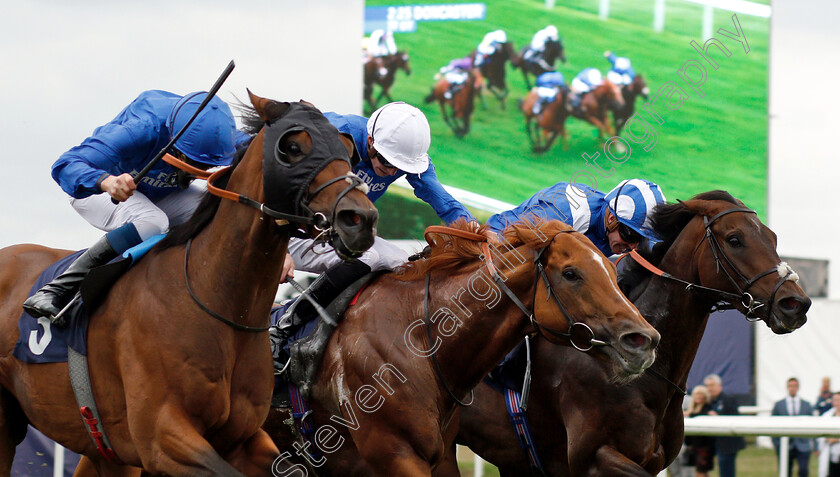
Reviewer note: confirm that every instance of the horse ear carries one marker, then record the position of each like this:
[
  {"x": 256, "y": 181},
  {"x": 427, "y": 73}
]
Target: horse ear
[{"x": 268, "y": 109}]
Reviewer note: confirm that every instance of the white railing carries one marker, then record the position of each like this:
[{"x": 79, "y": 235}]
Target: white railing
[{"x": 783, "y": 427}]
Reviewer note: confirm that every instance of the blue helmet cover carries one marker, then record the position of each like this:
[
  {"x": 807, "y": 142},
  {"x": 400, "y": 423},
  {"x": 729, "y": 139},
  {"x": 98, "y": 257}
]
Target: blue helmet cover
[{"x": 210, "y": 139}]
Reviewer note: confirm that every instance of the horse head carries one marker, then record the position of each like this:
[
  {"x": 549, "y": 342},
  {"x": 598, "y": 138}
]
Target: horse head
[
  {"x": 554, "y": 49},
  {"x": 737, "y": 262},
  {"x": 400, "y": 60},
  {"x": 609, "y": 93},
  {"x": 639, "y": 86},
  {"x": 308, "y": 178},
  {"x": 578, "y": 292}
]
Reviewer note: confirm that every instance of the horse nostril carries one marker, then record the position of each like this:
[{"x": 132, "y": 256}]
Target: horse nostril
[
  {"x": 635, "y": 340},
  {"x": 795, "y": 304}
]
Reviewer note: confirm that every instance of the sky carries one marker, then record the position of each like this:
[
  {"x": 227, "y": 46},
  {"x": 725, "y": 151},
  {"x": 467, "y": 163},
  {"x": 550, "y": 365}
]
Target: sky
[{"x": 69, "y": 67}]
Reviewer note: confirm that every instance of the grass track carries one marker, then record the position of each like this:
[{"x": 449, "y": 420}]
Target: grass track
[{"x": 718, "y": 141}]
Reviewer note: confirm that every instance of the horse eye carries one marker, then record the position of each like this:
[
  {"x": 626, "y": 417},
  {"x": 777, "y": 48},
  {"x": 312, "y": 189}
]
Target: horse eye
[
  {"x": 733, "y": 241},
  {"x": 570, "y": 275}
]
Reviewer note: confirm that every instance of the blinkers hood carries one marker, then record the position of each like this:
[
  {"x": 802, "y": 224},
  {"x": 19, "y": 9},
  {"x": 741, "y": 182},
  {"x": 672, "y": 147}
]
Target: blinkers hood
[{"x": 285, "y": 183}]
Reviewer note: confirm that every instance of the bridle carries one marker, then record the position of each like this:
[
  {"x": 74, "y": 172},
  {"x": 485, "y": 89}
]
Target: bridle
[
  {"x": 317, "y": 220},
  {"x": 580, "y": 335},
  {"x": 727, "y": 300}
]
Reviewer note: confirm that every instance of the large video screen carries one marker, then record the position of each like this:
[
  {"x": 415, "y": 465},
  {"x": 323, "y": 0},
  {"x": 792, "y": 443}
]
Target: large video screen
[{"x": 702, "y": 126}]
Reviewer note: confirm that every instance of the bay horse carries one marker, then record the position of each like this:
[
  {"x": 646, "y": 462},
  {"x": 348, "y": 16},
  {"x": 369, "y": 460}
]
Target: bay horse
[
  {"x": 553, "y": 52},
  {"x": 393, "y": 381},
  {"x": 179, "y": 365},
  {"x": 629, "y": 92},
  {"x": 456, "y": 107},
  {"x": 494, "y": 72},
  {"x": 545, "y": 127},
  {"x": 382, "y": 70},
  {"x": 585, "y": 424},
  {"x": 594, "y": 105}
]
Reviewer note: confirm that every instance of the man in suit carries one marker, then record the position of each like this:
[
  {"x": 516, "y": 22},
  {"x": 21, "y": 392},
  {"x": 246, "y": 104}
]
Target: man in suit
[
  {"x": 800, "y": 448},
  {"x": 726, "y": 448}
]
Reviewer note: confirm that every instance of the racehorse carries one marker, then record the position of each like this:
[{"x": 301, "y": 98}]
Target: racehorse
[
  {"x": 629, "y": 92},
  {"x": 493, "y": 70},
  {"x": 408, "y": 376},
  {"x": 594, "y": 105},
  {"x": 382, "y": 70},
  {"x": 457, "y": 102},
  {"x": 544, "y": 128},
  {"x": 553, "y": 52},
  {"x": 581, "y": 423},
  {"x": 179, "y": 365}
]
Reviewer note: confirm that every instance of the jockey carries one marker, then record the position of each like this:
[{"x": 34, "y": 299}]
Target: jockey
[
  {"x": 456, "y": 73},
  {"x": 584, "y": 82},
  {"x": 491, "y": 42},
  {"x": 615, "y": 222},
  {"x": 536, "y": 50},
  {"x": 166, "y": 196},
  {"x": 622, "y": 72},
  {"x": 393, "y": 143},
  {"x": 381, "y": 43},
  {"x": 547, "y": 86}
]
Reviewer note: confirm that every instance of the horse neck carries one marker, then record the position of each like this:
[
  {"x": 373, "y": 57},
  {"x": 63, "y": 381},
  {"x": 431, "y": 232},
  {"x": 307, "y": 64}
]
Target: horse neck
[
  {"x": 492, "y": 324},
  {"x": 680, "y": 317},
  {"x": 237, "y": 259}
]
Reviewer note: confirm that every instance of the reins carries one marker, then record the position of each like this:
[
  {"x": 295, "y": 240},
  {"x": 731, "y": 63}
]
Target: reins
[{"x": 727, "y": 300}]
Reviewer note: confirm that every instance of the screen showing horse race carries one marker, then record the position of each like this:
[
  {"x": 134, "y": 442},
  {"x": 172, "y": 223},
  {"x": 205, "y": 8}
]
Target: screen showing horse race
[{"x": 523, "y": 94}]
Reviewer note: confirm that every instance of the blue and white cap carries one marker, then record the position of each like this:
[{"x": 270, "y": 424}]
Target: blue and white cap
[{"x": 632, "y": 202}]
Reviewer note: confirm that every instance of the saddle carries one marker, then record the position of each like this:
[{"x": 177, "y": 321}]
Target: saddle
[{"x": 306, "y": 353}]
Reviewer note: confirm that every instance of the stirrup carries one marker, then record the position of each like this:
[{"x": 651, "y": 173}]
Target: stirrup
[{"x": 61, "y": 320}]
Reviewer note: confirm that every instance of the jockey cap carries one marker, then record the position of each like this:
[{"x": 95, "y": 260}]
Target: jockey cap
[
  {"x": 401, "y": 133},
  {"x": 632, "y": 202},
  {"x": 210, "y": 139}
]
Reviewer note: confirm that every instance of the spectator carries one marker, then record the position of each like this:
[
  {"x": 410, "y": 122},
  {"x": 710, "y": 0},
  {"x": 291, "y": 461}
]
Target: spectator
[
  {"x": 727, "y": 447},
  {"x": 800, "y": 448},
  {"x": 701, "y": 449},
  {"x": 823, "y": 402},
  {"x": 829, "y": 448}
]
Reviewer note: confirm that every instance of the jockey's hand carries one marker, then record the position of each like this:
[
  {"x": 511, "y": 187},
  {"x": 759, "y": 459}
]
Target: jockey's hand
[
  {"x": 120, "y": 187},
  {"x": 288, "y": 269}
]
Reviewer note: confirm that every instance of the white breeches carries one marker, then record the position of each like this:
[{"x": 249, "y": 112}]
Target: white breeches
[
  {"x": 150, "y": 218},
  {"x": 383, "y": 255}
]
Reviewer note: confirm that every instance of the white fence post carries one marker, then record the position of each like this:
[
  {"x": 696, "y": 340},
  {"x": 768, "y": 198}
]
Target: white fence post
[
  {"x": 58, "y": 461},
  {"x": 659, "y": 16},
  {"x": 784, "y": 456},
  {"x": 708, "y": 22},
  {"x": 604, "y": 9},
  {"x": 478, "y": 466}
]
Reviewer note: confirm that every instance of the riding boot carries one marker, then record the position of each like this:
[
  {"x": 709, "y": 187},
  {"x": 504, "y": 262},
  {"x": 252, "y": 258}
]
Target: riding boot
[
  {"x": 53, "y": 296},
  {"x": 323, "y": 291}
]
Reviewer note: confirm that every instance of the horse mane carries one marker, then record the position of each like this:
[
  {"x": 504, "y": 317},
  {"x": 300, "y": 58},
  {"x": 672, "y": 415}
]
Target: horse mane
[
  {"x": 668, "y": 222},
  {"x": 448, "y": 252},
  {"x": 206, "y": 210}
]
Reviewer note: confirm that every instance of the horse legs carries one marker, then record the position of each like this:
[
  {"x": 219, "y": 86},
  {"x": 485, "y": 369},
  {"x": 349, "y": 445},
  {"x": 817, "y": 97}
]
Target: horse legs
[
  {"x": 87, "y": 467},
  {"x": 256, "y": 456},
  {"x": 12, "y": 430},
  {"x": 610, "y": 462},
  {"x": 448, "y": 467},
  {"x": 171, "y": 445}
]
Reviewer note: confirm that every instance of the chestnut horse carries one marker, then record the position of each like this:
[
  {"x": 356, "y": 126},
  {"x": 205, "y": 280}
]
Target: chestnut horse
[
  {"x": 394, "y": 381},
  {"x": 382, "y": 70},
  {"x": 629, "y": 92},
  {"x": 456, "y": 107},
  {"x": 553, "y": 52},
  {"x": 544, "y": 128},
  {"x": 594, "y": 105},
  {"x": 179, "y": 365},
  {"x": 494, "y": 72},
  {"x": 582, "y": 422}
]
